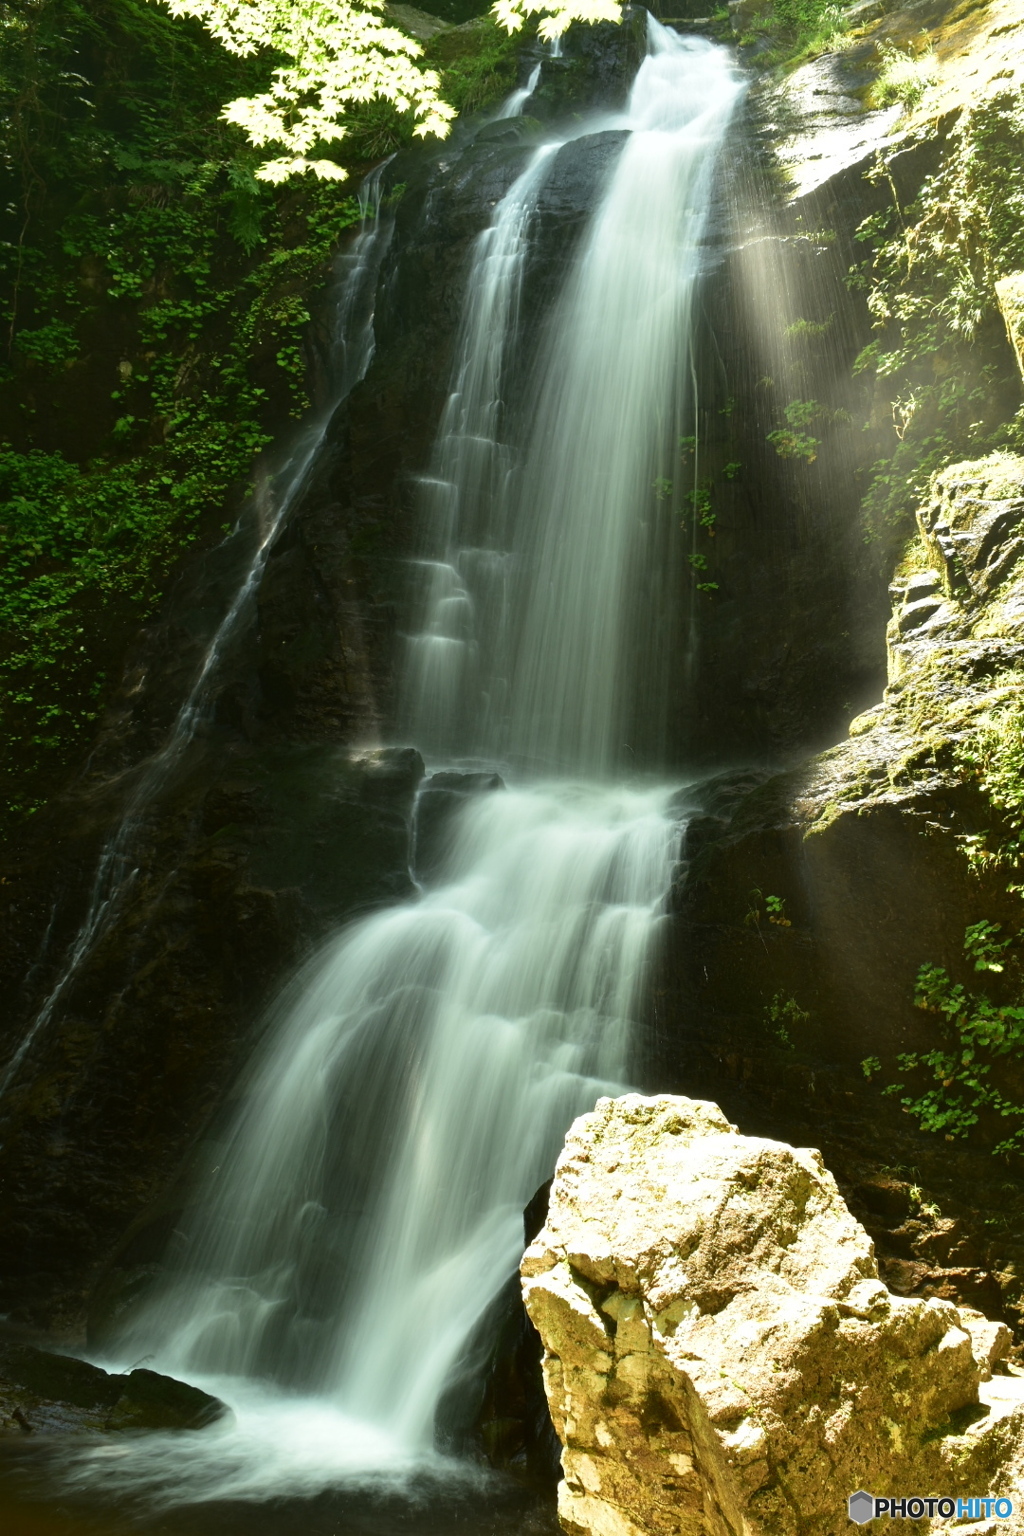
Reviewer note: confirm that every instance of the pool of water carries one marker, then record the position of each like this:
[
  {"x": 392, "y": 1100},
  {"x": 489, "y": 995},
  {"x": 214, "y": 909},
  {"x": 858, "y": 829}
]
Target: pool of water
[{"x": 33, "y": 1502}]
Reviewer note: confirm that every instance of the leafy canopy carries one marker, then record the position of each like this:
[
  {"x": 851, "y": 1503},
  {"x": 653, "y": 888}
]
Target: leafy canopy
[{"x": 336, "y": 53}]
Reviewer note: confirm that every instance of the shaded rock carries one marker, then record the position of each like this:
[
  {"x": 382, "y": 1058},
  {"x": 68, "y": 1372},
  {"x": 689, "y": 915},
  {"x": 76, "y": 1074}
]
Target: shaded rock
[
  {"x": 40, "y": 1391},
  {"x": 494, "y": 1403},
  {"x": 439, "y": 802},
  {"x": 391, "y": 775},
  {"x": 152, "y": 1401},
  {"x": 720, "y": 1353}
]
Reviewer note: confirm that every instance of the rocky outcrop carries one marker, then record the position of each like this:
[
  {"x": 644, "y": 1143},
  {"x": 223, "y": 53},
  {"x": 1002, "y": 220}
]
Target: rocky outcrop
[
  {"x": 59, "y": 1394},
  {"x": 720, "y": 1353},
  {"x": 955, "y": 646},
  {"x": 808, "y": 902}
]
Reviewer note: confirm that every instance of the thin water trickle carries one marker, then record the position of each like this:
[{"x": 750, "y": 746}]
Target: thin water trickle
[
  {"x": 366, "y": 1205},
  {"x": 513, "y": 105},
  {"x": 280, "y": 490}
]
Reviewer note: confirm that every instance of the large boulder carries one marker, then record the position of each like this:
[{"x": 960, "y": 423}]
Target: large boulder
[
  {"x": 51, "y": 1393},
  {"x": 720, "y": 1354}
]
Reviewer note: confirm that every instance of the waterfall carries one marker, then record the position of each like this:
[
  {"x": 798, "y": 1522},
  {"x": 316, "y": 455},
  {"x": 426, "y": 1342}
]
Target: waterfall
[
  {"x": 513, "y": 104},
  {"x": 367, "y": 1203},
  {"x": 536, "y": 644},
  {"x": 352, "y": 347}
]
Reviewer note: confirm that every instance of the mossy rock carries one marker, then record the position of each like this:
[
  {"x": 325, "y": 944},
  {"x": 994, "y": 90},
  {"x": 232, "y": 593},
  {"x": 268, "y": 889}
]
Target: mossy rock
[{"x": 52, "y": 1393}]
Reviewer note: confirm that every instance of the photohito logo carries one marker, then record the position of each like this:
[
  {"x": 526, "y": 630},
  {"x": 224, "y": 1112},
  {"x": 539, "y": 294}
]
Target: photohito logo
[{"x": 864, "y": 1507}]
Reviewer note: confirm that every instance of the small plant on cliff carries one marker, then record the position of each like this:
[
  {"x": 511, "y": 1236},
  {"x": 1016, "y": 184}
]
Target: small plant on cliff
[
  {"x": 978, "y": 1032},
  {"x": 797, "y": 29},
  {"x": 808, "y": 330},
  {"x": 773, "y": 908},
  {"x": 700, "y": 500},
  {"x": 782, "y": 1014},
  {"x": 993, "y": 753},
  {"x": 903, "y": 77},
  {"x": 792, "y": 441}
]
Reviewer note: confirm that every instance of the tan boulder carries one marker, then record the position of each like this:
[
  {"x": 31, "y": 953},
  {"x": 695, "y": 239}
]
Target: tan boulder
[{"x": 720, "y": 1354}]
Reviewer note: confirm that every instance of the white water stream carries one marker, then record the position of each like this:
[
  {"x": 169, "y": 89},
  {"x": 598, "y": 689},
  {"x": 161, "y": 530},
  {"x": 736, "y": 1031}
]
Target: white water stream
[{"x": 367, "y": 1204}]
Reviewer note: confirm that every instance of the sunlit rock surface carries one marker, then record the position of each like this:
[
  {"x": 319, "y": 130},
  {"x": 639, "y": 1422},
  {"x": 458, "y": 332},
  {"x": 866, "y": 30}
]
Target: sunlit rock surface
[
  {"x": 833, "y": 114},
  {"x": 720, "y": 1354}
]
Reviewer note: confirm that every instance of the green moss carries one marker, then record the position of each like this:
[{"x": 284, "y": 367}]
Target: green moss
[{"x": 478, "y": 63}]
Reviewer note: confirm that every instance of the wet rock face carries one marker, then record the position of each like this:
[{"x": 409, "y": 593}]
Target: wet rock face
[
  {"x": 278, "y": 823},
  {"x": 720, "y": 1354},
  {"x": 1010, "y": 297},
  {"x": 247, "y": 859},
  {"x": 46, "y": 1393}
]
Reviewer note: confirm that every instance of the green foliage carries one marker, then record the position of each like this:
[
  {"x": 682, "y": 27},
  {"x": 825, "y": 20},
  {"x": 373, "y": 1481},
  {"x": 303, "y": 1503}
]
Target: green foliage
[
  {"x": 156, "y": 302},
  {"x": 992, "y": 752},
  {"x": 794, "y": 445},
  {"x": 775, "y": 908},
  {"x": 981, "y": 945},
  {"x": 797, "y": 29},
  {"x": 929, "y": 281},
  {"x": 782, "y": 1014},
  {"x": 321, "y": 58},
  {"x": 978, "y": 1032},
  {"x": 791, "y": 441},
  {"x": 903, "y": 77},
  {"x": 771, "y": 907},
  {"x": 51, "y": 346},
  {"x": 700, "y": 502},
  {"x": 808, "y": 330},
  {"x": 477, "y": 64}
]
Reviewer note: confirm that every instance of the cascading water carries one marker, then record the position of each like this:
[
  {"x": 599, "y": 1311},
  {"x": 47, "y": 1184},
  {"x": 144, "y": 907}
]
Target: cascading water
[
  {"x": 513, "y": 105},
  {"x": 537, "y": 644},
  {"x": 352, "y": 338},
  {"x": 366, "y": 1206}
]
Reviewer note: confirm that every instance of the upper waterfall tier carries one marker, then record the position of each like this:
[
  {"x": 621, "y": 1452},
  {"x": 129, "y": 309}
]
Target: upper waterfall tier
[{"x": 548, "y": 563}]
